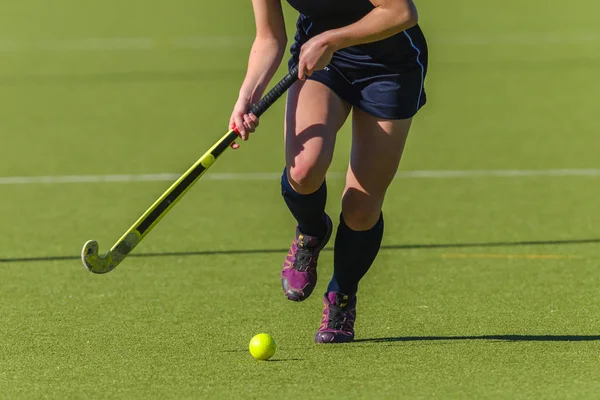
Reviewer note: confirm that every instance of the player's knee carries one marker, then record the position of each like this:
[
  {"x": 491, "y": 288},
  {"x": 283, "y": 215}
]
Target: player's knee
[
  {"x": 360, "y": 212},
  {"x": 360, "y": 220},
  {"x": 305, "y": 179}
]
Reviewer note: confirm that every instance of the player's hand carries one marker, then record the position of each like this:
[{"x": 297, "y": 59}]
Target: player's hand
[
  {"x": 315, "y": 55},
  {"x": 242, "y": 121}
]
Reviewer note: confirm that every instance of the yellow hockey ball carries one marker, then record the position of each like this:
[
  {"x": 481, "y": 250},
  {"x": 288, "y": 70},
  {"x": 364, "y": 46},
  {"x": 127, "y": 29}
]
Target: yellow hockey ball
[{"x": 262, "y": 346}]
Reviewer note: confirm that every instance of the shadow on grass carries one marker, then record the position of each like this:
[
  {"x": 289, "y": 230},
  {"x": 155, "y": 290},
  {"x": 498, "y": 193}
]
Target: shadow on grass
[
  {"x": 424, "y": 246},
  {"x": 501, "y": 338},
  {"x": 270, "y": 360}
]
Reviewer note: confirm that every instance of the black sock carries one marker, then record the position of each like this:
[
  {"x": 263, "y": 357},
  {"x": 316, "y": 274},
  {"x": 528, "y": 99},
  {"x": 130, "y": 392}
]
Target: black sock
[
  {"x": 353, "y": 255},
  {"x": 308, "y": 209}
]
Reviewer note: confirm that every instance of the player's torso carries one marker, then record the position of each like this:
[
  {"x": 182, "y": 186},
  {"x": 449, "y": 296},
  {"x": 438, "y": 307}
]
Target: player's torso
[
  {"x": 319, "y": 9},
  {"x": 397, "y": 52}
]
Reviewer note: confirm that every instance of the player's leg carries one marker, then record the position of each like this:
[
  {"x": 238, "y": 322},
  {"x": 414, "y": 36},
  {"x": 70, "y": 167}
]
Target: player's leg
[
  {"x": 377, "y": 146},
  {"x": 314, "y": 114}
]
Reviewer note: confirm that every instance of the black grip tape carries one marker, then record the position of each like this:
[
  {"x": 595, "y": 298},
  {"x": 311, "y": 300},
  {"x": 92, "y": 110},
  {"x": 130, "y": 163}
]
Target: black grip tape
[{"x": 275, "y": 93}]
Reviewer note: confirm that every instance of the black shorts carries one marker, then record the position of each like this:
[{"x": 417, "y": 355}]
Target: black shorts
[{"x": 385, "y": 78}]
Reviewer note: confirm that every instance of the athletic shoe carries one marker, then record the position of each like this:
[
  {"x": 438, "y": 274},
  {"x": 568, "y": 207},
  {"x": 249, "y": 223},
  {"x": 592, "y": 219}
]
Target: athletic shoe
[
  {"x": 337, "y": 323},
  {"x": 299, "y": 273}
]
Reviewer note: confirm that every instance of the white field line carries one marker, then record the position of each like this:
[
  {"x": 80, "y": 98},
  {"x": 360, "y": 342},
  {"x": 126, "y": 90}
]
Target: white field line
[
  {"x": 214, "y": 42},
  {"x": 268, "y": 176},
  {"x": 125, "y": 44},
  {"x": 519, "y": 39}
]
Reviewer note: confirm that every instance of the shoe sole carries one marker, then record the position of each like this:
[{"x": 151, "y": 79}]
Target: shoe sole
[{"x": 334, "y": 339}]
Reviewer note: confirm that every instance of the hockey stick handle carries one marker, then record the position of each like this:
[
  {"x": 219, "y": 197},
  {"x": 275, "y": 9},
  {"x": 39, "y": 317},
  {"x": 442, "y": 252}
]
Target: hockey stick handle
[{"x": 275, "y": 93}]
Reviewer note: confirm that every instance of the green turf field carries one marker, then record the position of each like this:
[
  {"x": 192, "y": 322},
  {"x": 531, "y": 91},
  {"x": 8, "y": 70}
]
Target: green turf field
[{"x": 486, "y": 286}]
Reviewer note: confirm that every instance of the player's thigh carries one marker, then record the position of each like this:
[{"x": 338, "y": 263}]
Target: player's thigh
[
  {"x": 377, "y": 147},
  {"x": 314, "y": 115}
]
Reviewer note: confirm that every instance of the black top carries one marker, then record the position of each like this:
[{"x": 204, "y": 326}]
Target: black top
[
  {"x": 405, "y": 50},
  {"x": 337, "y": 9}
]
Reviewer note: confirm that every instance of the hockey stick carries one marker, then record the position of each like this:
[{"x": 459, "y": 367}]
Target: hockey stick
[{"x": 102, "y": 264}]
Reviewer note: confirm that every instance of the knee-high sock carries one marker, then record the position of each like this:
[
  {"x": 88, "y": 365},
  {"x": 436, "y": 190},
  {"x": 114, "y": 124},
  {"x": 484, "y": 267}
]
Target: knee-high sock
[
  {"x": 308, "y": 209},
  {"x": 353, "y": 255}
]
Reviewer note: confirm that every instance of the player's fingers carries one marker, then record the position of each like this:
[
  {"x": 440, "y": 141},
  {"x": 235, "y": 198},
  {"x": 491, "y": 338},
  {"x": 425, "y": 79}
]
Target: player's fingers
[
  {"x": 255, "y": 120},
  {"x": 301, "y": 66},
  {"x": 233, "y": 145},
  {"x": 241, "y": 129},
  {"x": 249, "y": 123},
  {"x": 308, "y": 69}
]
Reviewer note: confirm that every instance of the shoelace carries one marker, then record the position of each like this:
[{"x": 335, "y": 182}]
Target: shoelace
[
  {"x": 303, "y": 257},
  {"x": 337, "y": 318}
]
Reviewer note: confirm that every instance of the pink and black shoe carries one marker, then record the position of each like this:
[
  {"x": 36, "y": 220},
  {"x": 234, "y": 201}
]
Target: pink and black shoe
[
  {"x": 337, "y": 323},
  {"x": 299, "y": 273}
]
